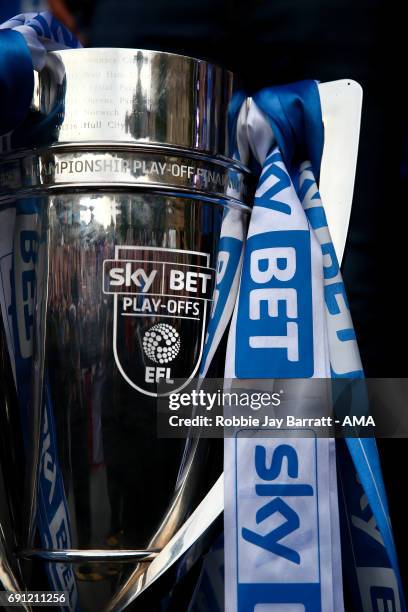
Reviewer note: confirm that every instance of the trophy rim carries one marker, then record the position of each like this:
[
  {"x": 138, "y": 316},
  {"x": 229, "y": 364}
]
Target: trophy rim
[
  {"x": 134, "y": 96},
  {"x": 192, "y": 58}
]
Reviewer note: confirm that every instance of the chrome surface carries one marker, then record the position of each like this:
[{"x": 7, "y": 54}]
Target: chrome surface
[
  {"x": 10, "y": 464},
  {"x": 94, "y": 364},
  {"x": 8, "y": 578},
  {"x": 203, "y": 516},
  {"x": 138, "y": 97},
  {"x": 140, "y": 168},
  {"x": 77, "y": 555},
  {"x": 123, "y": 189}
]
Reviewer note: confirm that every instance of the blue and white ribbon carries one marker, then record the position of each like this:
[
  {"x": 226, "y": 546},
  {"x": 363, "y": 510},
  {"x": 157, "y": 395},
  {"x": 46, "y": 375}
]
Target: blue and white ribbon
[
  {"x": 24, "y": 43},
  {"x": 281, "y": 525},
  {"x": 282, "y": 544},
  {"x": 369, "y": 550},
  {"x": 42, "y": 33}
]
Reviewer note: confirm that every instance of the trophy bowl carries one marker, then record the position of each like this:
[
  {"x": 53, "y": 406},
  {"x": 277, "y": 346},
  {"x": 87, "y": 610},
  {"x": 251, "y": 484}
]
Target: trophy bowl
[{"x": 120, "y": 185}]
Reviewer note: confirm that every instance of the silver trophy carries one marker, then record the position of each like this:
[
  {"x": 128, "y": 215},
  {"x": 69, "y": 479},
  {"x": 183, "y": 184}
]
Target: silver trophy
[{"x": 120, "y": 182}]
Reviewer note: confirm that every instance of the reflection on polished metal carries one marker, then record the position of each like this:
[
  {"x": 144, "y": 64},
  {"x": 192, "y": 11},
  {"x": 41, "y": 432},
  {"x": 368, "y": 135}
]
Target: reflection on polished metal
[
  {"x": 119, "y": 209},
  {"x": 141, "y": 169},
  {"x": 10, "y": 574},
  {"x": 8, "y": 579},
  {"x": 138, "y": 97},
  {"x": 208, "y": 510},
  {"x": 77, "y": 555}
]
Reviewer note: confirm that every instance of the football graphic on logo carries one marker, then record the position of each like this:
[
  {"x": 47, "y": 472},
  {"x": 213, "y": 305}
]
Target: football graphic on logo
[{"x": 161, "y": 343}]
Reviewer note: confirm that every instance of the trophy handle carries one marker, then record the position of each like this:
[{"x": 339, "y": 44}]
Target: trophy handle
[{"x": 341, "y": 103}]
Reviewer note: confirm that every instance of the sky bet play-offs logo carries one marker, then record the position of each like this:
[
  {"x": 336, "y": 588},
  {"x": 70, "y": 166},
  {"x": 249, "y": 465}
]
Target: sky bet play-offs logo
[{"x": 159, "y": 313}]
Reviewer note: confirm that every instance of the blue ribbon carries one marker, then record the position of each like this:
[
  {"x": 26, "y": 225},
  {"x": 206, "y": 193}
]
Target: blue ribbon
[
  {"x": 295, "y": 115},
  {"x": 16, "y": 80}
]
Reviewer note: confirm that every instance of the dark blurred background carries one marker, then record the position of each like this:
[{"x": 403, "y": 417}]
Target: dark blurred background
[{"x": 266, "y": 42}]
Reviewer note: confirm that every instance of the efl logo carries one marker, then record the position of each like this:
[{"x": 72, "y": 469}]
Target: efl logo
[{"x": 275, "y": 307}]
